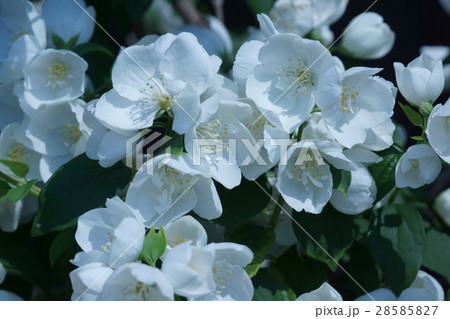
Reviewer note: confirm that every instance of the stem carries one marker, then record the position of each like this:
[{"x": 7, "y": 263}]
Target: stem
[
  {"x": 189, "y": 13},
  {"x": 218, "y": 9},
  {"x": 276, "y": 212},
  {"x": 35, "y": 191}
]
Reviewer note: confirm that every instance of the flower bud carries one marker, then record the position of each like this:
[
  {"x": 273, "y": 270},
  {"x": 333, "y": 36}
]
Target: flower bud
[
  {"x": 368, "y": 37},
  {"x": 422, "y": 80}
]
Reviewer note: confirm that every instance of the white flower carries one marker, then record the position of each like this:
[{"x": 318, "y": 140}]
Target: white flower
[
  {"x": 231, "y": 280},
  {"x": 11, "y": 215},
  {"x": 14, "y": 146},
  {"x": 301, "y": 16},
  {"x": 54, "y": 76},
  {"x": 442, "y": 205},
  {"x": 59, "y": 134},
  {"x": 185, "y": 229},
  {"x": 265, "y": 153},
  {"x": 190, "y": 270},
  {"x": 360, "y": 194},
  {"x": 66, "y": 19},
  {"x": 9, "y": 106},
  {"x": 174, "y": 187},
  {"x": 137, "y": 282},
  {"x": 88, "y": 281},
  {"x": 304, "y": 179},
  {"x": 6, "y": 295},
  {"x": 324, "y": 293},
  {"x": 438, "y": 130},
  {"x": 418, "y": 166},
  {"x": 20, "y": 54},
  {"x": 368, "y": 37},
  {"x": 210, "y": 142},
  {"x": 18, "y": 18},
  {"x": 288, "y": 83},
  {"x": 169, "y": 74},
  {"x": 244, "y": 63},
  {"x": 364, "y": 104},
  {"x": 113, "y": 235},
  {"x": 446, "y": 5},
  {"x": 422, "y": 80},
  {"x": 2, "y": 273},
  {"x": 423, "y": 288},
  {"x": 215, "y": 39}
]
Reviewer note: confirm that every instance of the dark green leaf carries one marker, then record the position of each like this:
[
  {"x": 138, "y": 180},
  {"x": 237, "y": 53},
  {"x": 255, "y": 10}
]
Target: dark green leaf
[
  {"x": 18, "y": 168},
  {"x": 341, "y": 179},
  {"x": 174, "y": 146},
  {"x": 137, "y": 8},
  {"x": 19, "y": 192},
  {"x": 332, "y": 231},
  {"x": 85, "y": 48},
  {"x": 62, "y": 242},
  {"x": 303, "y": 274},
  {"x": 414, "y": 117},
  {"x": 71, "y": 43},
  {"x": 242, "y": 202},
  {"x": 270, "y": 286},
  {"x": 260, "y": 6},
  {"x": 384, "y": 172},
  {"x": 154, "y": 246},
  {"x": 4, "y": 187},
  {"x": 437, "y": 253},
  {"x": 258, "y": 238},
  {"x": 21, "y": 261},
  {"x": 75, "y": 188},
  {"x": 397, "y": 241},
  {"x": 58, "y": 42}
]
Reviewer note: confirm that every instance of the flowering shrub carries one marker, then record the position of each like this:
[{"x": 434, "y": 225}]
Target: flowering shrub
[{"x": 192, "y": 171}]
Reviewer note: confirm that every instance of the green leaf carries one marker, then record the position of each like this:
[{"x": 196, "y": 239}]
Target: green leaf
[
  {"x": 137, "y": 8},
  {"x": 19, "y": 192},
  {"x": 90, "y": 47},
  {"x": 341, "y": 179},
  {"x": 397, "y": 241},
  {"x": 242, "y": 202},
  {"x": 258, "y": 238},
  {"x": 75, "y": 188},
  {"x": 333, "y": 233},
  {"x": 18, "y": 168},
  {"x": 4, "y": 187},
  {"x": 417, "y": 138},
  {"x": 62, "y": 242},
  {"x": 60, "y": 44},
  {"x": 384, "y": 172},
  {"x": 437, "y": 253},
  {"x": 414, "y": 117},
  {"x": 174, "y": 146},
  {"x": 154, "y": 246},
  {"x": 270, "y": 285},
  {"x": 260, "y": 6},
  {"x": 303, "y": 274},
  {"x": 58, "y": 41},
  {"x": 21, "y": 261}
]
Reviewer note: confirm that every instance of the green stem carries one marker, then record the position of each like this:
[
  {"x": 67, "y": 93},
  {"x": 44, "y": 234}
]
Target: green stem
[
  {"x": 35, "y": 191},
  {"x": 276, "y": 212}
]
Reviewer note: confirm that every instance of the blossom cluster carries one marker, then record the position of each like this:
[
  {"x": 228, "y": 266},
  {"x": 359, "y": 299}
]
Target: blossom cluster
[{"x": 289, "y": 108}]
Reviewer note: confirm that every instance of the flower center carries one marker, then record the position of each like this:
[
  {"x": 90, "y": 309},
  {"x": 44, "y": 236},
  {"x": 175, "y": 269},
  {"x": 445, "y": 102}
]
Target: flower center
[
  {"x": 18, "y": 153},
  {"x": 175, "y": 182},
  {"x": 138, "y": 291},
  {"x": 70, "y": 134},
  {"x": 57, "y": 75},
  {"x": 309, "y": 173},
  {"x": 221, "y": 273},
  {"x": 176, "y": 240},
  {"x": 17, "y": 35},
  {"x": 256, "y": 125},
  {"x": 155, "y": 94},
  {"x": 214, "y": 135},
  {"x": 348, "y": 100},
  {"x": 415, "y": 163},
  {"x": 295, "y": 75},
  {"x": 108, "y": 245}
]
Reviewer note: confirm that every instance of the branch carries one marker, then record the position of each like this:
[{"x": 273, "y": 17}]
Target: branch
[{"x": 189, "y": 13}]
